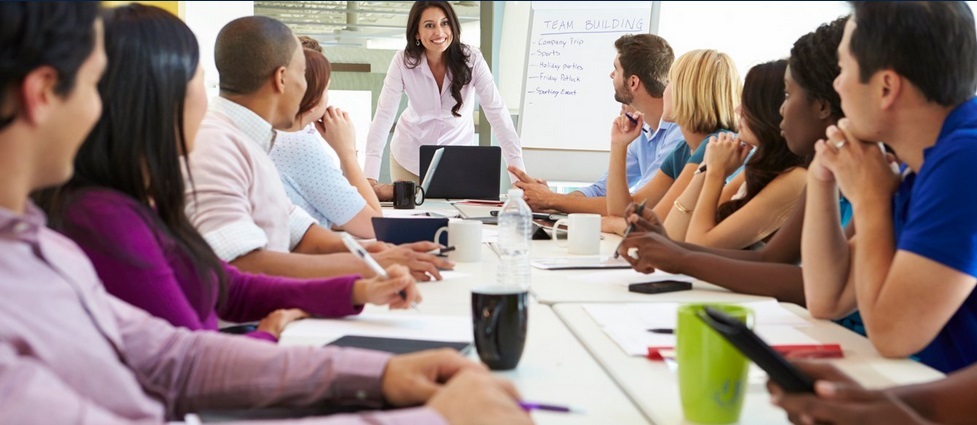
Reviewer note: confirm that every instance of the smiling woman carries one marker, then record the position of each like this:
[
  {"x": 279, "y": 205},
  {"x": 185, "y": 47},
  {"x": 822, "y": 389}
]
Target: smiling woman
[{"x": 440, "y": 76}]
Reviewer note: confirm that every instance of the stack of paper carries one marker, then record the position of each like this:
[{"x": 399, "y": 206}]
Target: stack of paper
[
  {"x": 628, "y": 324},
  {"x": 408, "y": 326}
]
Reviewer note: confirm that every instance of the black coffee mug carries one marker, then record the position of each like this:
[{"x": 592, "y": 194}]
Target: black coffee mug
[
  {"x": 499, "y": 319},
  {"x": 405, "y": 195}
]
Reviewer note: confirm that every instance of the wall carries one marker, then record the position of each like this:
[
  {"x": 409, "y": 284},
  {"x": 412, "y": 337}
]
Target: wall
[
  {"x": 206, "y": 18},
  {"x": 372, "y": 81}
]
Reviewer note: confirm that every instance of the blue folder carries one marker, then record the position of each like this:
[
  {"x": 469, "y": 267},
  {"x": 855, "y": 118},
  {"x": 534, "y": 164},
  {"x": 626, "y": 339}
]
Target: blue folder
[{"x": 398, "y": 230}]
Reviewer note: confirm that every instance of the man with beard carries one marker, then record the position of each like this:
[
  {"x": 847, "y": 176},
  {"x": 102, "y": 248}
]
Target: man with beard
[{"x": 640, "y": 76}]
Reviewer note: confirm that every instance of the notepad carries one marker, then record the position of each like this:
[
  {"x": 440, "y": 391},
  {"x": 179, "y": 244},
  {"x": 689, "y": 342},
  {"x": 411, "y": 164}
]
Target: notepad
[
  {"x": 628, "y": 324},
  {"x": 579, "y": 263},
  {"x": 398, "y": 345}
]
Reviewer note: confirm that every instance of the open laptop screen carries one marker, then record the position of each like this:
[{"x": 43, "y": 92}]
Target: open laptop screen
[{"x": 463, "y": 172}]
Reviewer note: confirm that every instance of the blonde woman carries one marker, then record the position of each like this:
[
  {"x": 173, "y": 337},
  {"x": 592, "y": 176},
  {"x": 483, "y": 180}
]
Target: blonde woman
[
  {"x": 758, "y": 201},
  {"x": 701, "y": 98}
]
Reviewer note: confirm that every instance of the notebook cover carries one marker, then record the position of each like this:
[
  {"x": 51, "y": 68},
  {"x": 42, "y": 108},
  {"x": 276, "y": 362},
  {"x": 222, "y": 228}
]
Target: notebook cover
[
  {"x": 397, "y": 345},
  {"x": 400, "y": 230}
]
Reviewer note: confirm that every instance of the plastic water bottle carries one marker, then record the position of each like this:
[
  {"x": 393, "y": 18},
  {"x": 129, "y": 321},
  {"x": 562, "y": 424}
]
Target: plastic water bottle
[{"x": 515, "y": 227}]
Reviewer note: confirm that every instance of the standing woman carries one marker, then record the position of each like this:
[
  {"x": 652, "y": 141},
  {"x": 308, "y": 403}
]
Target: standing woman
[
  {"x": 125, "y": 205},
  {"x": 440, "y": 76}
]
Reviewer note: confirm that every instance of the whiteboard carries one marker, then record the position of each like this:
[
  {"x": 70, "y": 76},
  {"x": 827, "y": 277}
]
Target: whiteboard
[{"x": 568, "y": 96}]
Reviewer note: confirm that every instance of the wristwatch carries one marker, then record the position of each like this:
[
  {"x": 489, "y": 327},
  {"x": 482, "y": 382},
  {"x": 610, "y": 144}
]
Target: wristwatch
[{"x": 702, "y": 169}]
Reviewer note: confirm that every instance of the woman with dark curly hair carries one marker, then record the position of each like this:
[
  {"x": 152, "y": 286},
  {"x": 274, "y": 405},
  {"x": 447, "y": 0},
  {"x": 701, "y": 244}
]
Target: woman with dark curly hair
[{"x": 440, "y": 76}]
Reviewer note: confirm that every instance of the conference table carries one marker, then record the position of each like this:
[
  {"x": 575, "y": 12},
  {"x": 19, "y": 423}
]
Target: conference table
[{"x": 570, "y": 360}]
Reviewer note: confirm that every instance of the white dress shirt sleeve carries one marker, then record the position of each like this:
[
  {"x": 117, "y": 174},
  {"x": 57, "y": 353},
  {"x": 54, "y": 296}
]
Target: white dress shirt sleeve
[
  {"x": 298, "y": 223},
  {"x": 387, "y": 106},
  {"x": 497, "y": 113}
]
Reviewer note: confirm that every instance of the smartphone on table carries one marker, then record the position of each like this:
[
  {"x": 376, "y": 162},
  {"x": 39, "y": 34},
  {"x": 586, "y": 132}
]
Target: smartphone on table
[
  {"x": 660, "y": 287},
  {"x": 785, "y": 374}
]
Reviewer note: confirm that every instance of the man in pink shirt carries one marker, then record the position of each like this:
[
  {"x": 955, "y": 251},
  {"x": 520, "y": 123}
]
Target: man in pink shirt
[
  {"x": 70, "y": 353},
  {"x": 236, "y": 199}
]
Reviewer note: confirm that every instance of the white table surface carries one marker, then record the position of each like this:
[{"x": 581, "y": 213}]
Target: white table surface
[
  {"x": 554, "y": 367},
  {"x": 570, "y": 360},
  {"x": 654, "y": 387},
  {"x": 567, "y": 286}
]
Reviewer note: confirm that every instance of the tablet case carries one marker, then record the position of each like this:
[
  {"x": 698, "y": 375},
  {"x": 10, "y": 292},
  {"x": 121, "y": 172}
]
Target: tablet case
[
  {"x": 397, "y": 345},
  {"x": 400, "y": 230},
  {"x": 464, "y": 172}
]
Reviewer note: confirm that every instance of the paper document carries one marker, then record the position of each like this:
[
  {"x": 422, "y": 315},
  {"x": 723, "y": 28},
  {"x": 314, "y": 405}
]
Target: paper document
[
  {"x": 628, "y": 324},
  {"x": 419, "y": 213},
  {"x": 471, "y": 211},
  {"x": 579, "y": 263},
  {"x": 407, "y": 326},
  {"x": 624, "y": 278}
]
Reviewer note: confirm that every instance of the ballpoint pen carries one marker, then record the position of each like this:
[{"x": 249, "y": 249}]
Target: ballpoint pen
[
  {"x": 527, "y": 406},
  {"x": 359, "y": 251},
  {"x": 637, "y": 210},
  {"x": 633, "y": 119},
  {"x": 441, "y": 251}
]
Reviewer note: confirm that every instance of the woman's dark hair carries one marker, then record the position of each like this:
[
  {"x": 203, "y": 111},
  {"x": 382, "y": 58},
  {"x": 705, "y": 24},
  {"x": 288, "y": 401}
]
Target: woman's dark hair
[
  {"x": 455, "y": 58},
  {"x": 317, "y": 74},
  {"x": 814, "y": 63},
  {"x": 136, "y": 146},
  {"x": 763, "y": 93},
  {"x": 33, "y": 34}
]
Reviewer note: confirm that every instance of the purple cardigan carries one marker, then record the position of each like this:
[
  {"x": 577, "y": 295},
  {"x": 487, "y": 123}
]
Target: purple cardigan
[{"x": 143, "y": 265}]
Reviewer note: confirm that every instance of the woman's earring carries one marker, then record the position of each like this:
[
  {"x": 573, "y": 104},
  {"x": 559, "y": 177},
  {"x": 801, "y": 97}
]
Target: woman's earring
[{"x": 417, "y": 42}]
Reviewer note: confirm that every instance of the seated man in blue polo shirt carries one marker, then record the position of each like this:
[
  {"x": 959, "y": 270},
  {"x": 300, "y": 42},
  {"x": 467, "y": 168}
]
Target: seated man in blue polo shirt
[
  {"x": 908, "y": 77},
  {"x": 640, "y": 76}
]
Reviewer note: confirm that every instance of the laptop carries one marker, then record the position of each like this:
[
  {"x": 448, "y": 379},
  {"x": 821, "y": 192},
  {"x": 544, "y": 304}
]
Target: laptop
[{"x": 461, "y": 172}]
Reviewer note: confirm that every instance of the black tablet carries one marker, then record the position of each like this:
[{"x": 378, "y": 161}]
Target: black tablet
[
  {"x": 780, "y": 370},
  {"x": 397, "y": 345}
]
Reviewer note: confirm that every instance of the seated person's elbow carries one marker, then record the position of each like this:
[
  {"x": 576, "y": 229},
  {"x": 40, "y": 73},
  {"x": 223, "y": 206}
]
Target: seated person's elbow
[{"x": 825, "y": 310}]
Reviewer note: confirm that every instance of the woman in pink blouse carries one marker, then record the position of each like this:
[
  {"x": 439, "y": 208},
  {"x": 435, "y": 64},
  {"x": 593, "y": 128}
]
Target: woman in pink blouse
[
  {"x": 125, "y": 204},
  {"x": 440, "y": 76}
]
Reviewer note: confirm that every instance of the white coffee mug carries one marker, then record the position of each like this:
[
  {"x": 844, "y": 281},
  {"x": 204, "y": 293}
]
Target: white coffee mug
[
  {"x": 466, "y": 237},
  {"x": 583, "y": 233}
]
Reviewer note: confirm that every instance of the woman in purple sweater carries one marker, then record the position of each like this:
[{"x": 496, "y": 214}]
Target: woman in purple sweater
[{"x": 125, "y": 205}]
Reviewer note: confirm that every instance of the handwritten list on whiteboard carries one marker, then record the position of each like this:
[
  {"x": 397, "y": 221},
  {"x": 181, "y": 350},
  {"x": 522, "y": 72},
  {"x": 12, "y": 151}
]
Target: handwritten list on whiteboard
[{"x": 568, "y": 99}]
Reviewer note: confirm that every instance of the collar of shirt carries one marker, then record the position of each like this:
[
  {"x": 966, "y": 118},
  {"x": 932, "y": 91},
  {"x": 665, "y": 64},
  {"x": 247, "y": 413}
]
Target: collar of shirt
[
  {"x": 248, "y": 122},
  {"x": 663, "y": 128},
  {"x": 24, "y": 227}
]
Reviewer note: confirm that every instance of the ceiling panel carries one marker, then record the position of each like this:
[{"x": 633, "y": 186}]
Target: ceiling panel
[{"x": 355, "y": 23}]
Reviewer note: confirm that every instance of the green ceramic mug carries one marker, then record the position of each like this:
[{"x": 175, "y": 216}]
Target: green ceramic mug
[{"x": 711, "y": 372}]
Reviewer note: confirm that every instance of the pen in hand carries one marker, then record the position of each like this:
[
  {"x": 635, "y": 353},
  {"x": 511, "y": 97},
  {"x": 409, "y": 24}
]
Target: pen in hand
[
  {"x": 640, "y": 209},
  {"x": 632, "y": 119},
  {"x": 359, "y": 251}
]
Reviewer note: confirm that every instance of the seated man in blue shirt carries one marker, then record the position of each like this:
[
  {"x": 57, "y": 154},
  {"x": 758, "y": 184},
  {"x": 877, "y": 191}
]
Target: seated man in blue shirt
[
  {"x": 640, "y": 76},
  {"x": 908, "y": 77}
]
